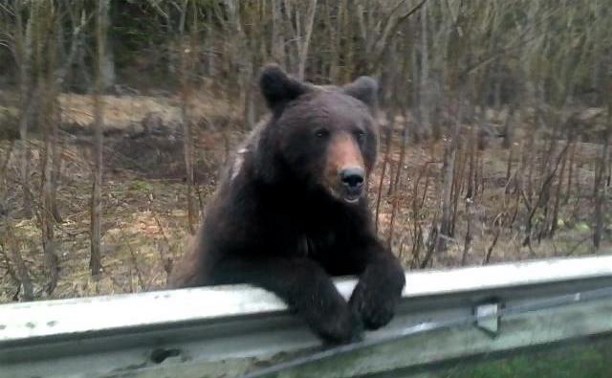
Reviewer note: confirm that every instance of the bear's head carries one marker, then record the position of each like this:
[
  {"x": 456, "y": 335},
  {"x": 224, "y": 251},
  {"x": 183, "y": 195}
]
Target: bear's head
[{"x": 322, "y": 138}]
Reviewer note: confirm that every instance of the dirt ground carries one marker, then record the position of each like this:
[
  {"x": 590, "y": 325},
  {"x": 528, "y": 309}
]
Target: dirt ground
[{"x": 144, "y": 199}]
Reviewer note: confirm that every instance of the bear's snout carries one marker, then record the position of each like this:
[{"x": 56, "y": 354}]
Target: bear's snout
[
  {"x": 346, "y": 173},
  {"x": 352, "y": 178}
]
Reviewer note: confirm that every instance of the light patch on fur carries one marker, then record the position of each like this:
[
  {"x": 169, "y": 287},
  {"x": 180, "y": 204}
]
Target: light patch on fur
[
  {"x": 327, "y": 88},
  {"x": 250, "y": 144},
  {"x": 238, "y": 163}
]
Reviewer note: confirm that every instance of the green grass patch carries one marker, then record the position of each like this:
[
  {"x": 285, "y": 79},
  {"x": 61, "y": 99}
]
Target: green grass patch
[{"x": 585, "y": 360}]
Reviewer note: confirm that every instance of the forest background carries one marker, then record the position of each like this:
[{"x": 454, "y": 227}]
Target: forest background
[{"x": 116, "y": 116}]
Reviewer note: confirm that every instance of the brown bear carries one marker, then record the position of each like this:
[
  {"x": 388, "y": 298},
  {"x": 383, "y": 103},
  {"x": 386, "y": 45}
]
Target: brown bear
[{"x": 291, "y": 210}]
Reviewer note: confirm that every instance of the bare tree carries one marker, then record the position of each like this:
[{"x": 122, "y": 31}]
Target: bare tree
[
  {"x": 24, "y": 53},
  {"x": 304, "y": 41},
  {"x": 47, "y": 119},
  {"x": 187, "y": 56},
  {"x": 463, "y": 72},
  {"x": 95, "y": 261},
  {"x": 601, "y": 187},
  {"x": 425, "y": 85},
  {"x": 21, "y": 270}
]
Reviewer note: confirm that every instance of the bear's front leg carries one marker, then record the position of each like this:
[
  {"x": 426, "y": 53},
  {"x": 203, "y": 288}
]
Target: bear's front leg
[
  {"x": 305, "y": 287},
  {"x": 380, "y": 286}
]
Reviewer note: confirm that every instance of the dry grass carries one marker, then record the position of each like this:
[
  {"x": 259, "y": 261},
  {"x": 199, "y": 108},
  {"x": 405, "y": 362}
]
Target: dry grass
[
  {"x": 145, "y": 221},
  {"x": 128, "y": 112}
]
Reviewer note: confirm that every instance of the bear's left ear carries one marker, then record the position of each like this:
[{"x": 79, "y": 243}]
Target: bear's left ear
[
  {"x": 278, "y": 88},
  {"x": 365, "y": 89}
]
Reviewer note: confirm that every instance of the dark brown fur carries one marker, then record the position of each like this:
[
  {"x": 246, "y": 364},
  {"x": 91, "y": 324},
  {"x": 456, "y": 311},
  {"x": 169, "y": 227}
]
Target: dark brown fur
[{"x": 283, "y": 220}]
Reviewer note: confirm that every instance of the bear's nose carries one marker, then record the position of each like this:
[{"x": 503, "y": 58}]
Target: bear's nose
[{"x": 352, "y": 177}]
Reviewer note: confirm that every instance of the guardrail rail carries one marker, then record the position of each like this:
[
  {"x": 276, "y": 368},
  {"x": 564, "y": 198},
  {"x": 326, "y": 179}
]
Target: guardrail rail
[{"x": 234, "y": 331}]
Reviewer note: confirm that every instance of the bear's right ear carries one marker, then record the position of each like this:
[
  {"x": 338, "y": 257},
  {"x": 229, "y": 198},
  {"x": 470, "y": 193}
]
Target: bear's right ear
[
  {"x": 365, "y": 89},
  {"x": 278, "y": 88}
]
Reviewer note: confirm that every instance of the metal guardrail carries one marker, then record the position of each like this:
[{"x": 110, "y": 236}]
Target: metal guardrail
[{"x": 238, "y": 330}]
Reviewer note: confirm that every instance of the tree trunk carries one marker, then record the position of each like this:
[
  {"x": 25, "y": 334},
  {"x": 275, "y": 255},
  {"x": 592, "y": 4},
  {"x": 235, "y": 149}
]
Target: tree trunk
[
  {"x": 310, "y": 17},
  {"x": 425, "y": 100},
  {"x": 448, "y": 170},
  {"x": 508, "y": 129},
  {"x": 186, "y": 60},
  {"x": 20, "y": 267},
  {"x": 95, "y": 262},
  {"x": 46, "y": 118},
  {"x": 278, "y": 38},
  {"x": 108, "y": 69},
  {"x": 107, "y": 63},
  {"x": 600, "y": 185},
  {"x": 24, "y": 46},
  {"x": 417, "y": 94}
]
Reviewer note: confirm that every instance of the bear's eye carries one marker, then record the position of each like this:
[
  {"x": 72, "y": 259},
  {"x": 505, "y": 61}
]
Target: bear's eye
[
  {"x": 360, "y": 135},
  {"x": 321, "y": 133}
]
